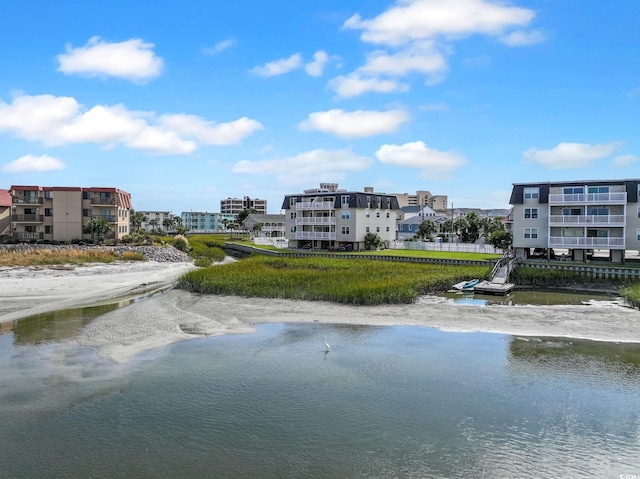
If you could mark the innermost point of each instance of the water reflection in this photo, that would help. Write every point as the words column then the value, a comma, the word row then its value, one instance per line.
column 529, row 297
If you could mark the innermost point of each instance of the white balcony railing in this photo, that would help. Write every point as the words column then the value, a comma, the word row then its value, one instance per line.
column 618, row 220
column 315, row 220
column 321, row 235
column 559, row 241
column 600, row 198
column 315, row 205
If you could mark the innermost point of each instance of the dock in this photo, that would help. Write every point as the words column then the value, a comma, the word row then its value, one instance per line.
column 497, row 285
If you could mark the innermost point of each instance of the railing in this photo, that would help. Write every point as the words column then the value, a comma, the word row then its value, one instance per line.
column 586, row 241
column 324, row 235
column 28, row 236
column 315, row 220
column 587, row 219
column 315, row 205
column 27, row 218
column 27, row 200
column 109, row 218
column 588, row 198
column 103, row 201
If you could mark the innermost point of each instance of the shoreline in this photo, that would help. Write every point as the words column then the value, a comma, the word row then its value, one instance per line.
column 178, row 315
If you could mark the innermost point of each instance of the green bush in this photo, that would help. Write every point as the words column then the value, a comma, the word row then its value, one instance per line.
column 182, row 243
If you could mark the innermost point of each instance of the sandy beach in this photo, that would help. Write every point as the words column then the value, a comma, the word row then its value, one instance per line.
column 178, row 315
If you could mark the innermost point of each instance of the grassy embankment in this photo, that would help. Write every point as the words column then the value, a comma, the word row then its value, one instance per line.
column 49, row 257
column 631, row 294
column 350, row 281
column 203, row 249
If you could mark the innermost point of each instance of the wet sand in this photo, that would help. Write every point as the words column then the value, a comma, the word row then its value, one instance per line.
column 179, row 315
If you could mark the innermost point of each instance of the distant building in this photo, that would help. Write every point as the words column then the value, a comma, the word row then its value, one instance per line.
column 155, row 219
column 576, row 215
column 60, row 213
column 270, row 226
column 422, row 198
column 5, row 213
column 328, row 217
column 233, row 206
column 424, row 212
column 204, row 222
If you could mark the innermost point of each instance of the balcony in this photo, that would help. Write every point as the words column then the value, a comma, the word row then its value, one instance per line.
column 27, row 218
column 315, row 220
column 588, row 198
column 591, row 220
column 315, row 205
column 26, row 200
column 103, row 201
column 321, row 235
column 109, row 218
column 24, row 235
column 585, row 242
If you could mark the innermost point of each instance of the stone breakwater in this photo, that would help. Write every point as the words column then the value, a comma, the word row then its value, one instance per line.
column 162, row 254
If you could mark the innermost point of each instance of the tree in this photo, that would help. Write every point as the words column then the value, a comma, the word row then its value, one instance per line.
column 99, row 227
column 168, row 223
column 136, row 219
column 426, row 230
column 244, row 213
column 372, row 241
column 257, row 228
column 501, row 239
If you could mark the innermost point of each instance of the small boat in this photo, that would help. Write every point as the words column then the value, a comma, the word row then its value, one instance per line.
column 470, row 284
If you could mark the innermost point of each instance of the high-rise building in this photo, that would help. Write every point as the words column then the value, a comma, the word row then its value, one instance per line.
column 233, row 206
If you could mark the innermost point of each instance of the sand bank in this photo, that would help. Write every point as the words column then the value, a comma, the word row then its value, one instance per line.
column 179, row 315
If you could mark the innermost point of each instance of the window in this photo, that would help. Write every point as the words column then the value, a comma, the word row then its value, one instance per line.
column 377, row 229
column 638, row 212
column 48, row 211
column 573, row 190
column 367, row 213
column 345, row 200
column 410, row 227
column 292, row 201
column 345, row 214
column 387, row 228
column 377, row 214
column 598, row 189
column 368, row 201
column 48, row 230
column 598, row 211
column 572, row 211
column 638, row 234
column 367, row 229
column 345, row 230
column 30, row 229
column 531, row 233
column 86, row 195
column 531, row 192
column 387, row 214
column 531, row 213
column 48, row 195
column 293, row 229
column 379, row 200
column 293, row 215
column 388, row 204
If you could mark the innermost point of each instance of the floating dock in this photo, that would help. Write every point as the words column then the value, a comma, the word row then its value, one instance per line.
column 486, row 287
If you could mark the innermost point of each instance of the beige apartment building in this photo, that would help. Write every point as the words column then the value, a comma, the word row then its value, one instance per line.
column 578, row 216
column 331, row 218
column 60, row 213
column 422, row 198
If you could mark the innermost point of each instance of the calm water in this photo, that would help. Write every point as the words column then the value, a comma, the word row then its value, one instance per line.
column 384, row 402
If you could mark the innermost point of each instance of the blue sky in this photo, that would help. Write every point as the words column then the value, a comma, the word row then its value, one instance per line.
column 184, row 103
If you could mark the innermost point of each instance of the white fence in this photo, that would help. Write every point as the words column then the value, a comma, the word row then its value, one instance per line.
column 277, row 242
column 455, row 247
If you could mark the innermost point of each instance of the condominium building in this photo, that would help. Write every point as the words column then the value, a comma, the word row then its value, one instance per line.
column 5, row 212
column 332, row 218
column 155, row 219
column 233, row 206
column 60, row 213
column 269, row 226
column 422, row 198
column 579, row 216
column 204, row 222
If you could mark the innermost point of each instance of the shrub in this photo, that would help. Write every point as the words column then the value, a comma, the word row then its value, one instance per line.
column 181, row 243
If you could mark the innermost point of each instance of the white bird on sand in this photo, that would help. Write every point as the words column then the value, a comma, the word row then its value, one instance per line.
column 327, row 348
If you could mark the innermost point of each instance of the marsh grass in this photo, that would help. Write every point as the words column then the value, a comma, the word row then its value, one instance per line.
column 555, row 277
column 43, row 257
column 353, row 281
column 631, row 294
column 206, row 250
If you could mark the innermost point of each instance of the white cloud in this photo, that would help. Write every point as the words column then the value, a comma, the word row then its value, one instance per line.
column 356, row 124
column 523, row 38
column 321, row 165
column 354, row 84
column 570, row 155
column 132, row 60
column 316, row 67
column 279, row 67
column 210, row 132
column 424, row 19
column 32, row 164
column 419, row 57
column 432, row 163
column 623, row 160
column 62, row 120
column 435, row 107
column 219, row 47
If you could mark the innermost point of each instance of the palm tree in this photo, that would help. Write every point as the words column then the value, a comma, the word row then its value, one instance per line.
column 136, row 219
column 426, row 230
column 97, row 226
column 167, row 223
